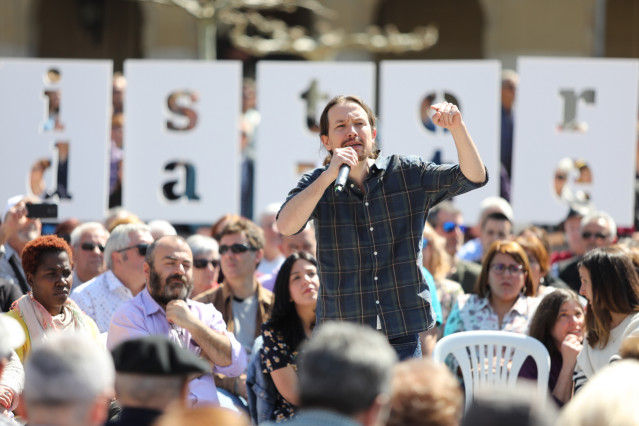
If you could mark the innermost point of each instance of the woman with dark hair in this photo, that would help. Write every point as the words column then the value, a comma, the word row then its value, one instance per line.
column 47, row 263
column 292, row 321
column 610, row 282
column 504, row 298
column 558, row 323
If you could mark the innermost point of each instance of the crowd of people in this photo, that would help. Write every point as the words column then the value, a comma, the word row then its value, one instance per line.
column 325, row 310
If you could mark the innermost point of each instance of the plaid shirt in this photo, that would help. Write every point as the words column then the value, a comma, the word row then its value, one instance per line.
column 369, row 244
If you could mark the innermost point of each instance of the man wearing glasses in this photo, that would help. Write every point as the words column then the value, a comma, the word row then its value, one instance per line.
column 598, row 229
column 124, row 278
column 87, row 242
column 241, row 299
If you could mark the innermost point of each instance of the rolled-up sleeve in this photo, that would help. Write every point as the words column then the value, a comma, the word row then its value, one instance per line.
column 238, row 354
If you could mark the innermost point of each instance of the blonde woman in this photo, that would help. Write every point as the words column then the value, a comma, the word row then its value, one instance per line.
column 437, row 260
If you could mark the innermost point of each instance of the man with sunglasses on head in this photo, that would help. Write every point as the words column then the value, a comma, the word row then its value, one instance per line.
column 598, row 229
column 245, row 305
column 87, row 242
column 369, row 230
column 124, row 253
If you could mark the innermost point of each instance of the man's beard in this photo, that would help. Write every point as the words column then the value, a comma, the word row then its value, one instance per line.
column 163, row 293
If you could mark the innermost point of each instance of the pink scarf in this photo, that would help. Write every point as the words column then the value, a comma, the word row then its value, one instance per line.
column 39, row 321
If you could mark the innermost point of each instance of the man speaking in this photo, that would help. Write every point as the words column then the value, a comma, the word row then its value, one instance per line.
column 369, row 234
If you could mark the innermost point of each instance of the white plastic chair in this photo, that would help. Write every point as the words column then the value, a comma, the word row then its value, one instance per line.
column 494, row 358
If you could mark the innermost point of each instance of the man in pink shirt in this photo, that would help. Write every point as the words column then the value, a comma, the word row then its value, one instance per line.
column 163, row 308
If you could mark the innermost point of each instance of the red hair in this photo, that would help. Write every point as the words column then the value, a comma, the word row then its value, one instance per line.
column 34, row 250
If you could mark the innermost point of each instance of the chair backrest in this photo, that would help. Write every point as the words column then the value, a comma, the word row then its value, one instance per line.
column 494, row 358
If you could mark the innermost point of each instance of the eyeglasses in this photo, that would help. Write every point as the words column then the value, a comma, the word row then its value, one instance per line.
column 91, row 247
column 450, row 227
column 500, row 269
column 142, row 248
column 203, row 263
column 236, row 248
column 598, row 235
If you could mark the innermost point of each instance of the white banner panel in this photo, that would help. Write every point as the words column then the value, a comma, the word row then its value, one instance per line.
column 408, row 88
column 181, row 140
column 575, row 138
column 54, row 133
column 291, row 97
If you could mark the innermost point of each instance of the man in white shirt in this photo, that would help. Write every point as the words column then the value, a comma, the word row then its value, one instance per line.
column 124, row 252
column 16, row 231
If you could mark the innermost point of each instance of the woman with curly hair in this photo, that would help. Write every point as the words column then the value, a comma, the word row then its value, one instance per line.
column 48, row 264
column 610, row 282
column 292, row 321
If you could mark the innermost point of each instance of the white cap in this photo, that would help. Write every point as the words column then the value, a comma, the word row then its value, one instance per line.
column 10, row 203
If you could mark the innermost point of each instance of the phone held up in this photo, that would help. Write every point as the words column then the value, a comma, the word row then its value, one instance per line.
column 42, row 210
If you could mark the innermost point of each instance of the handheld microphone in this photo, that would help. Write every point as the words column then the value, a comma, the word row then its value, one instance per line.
column 344, row 170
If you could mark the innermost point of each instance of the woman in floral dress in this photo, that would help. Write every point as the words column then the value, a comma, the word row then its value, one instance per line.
column 292, row 321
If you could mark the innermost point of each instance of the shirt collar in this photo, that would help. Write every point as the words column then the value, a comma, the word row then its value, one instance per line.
column 520, row 306
column 381, row 163
column 150, row 305
column 113, row 282
column 227, row 295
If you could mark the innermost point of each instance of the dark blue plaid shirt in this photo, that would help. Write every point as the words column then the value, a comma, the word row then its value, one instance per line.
column 369, row 244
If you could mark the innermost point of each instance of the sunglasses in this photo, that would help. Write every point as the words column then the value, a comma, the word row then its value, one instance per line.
column 142, row 248
column 500, row 269
column 598, row 235
column 203, row 263
column 450, row 227
column 91, row 247
column 236, row 248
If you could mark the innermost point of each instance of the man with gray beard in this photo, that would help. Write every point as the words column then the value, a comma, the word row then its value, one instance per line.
column 164, row 308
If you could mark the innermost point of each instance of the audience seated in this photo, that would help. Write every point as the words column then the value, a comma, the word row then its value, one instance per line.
column 505, row 294
column 292, row 321
column 206, row 263
column 558, row 323
column 68, row 382
column 151, row 374
column 11, row 371
column 46, row 307
column 345, row 374
column 607, row 400
column 507, row 407
column 437, row 262
column 424, row 393
column 610, row 283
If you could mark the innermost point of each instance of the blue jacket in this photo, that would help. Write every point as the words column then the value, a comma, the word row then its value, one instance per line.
column 260, row 389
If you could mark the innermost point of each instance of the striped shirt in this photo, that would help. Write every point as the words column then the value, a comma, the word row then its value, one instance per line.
column 369, row 243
